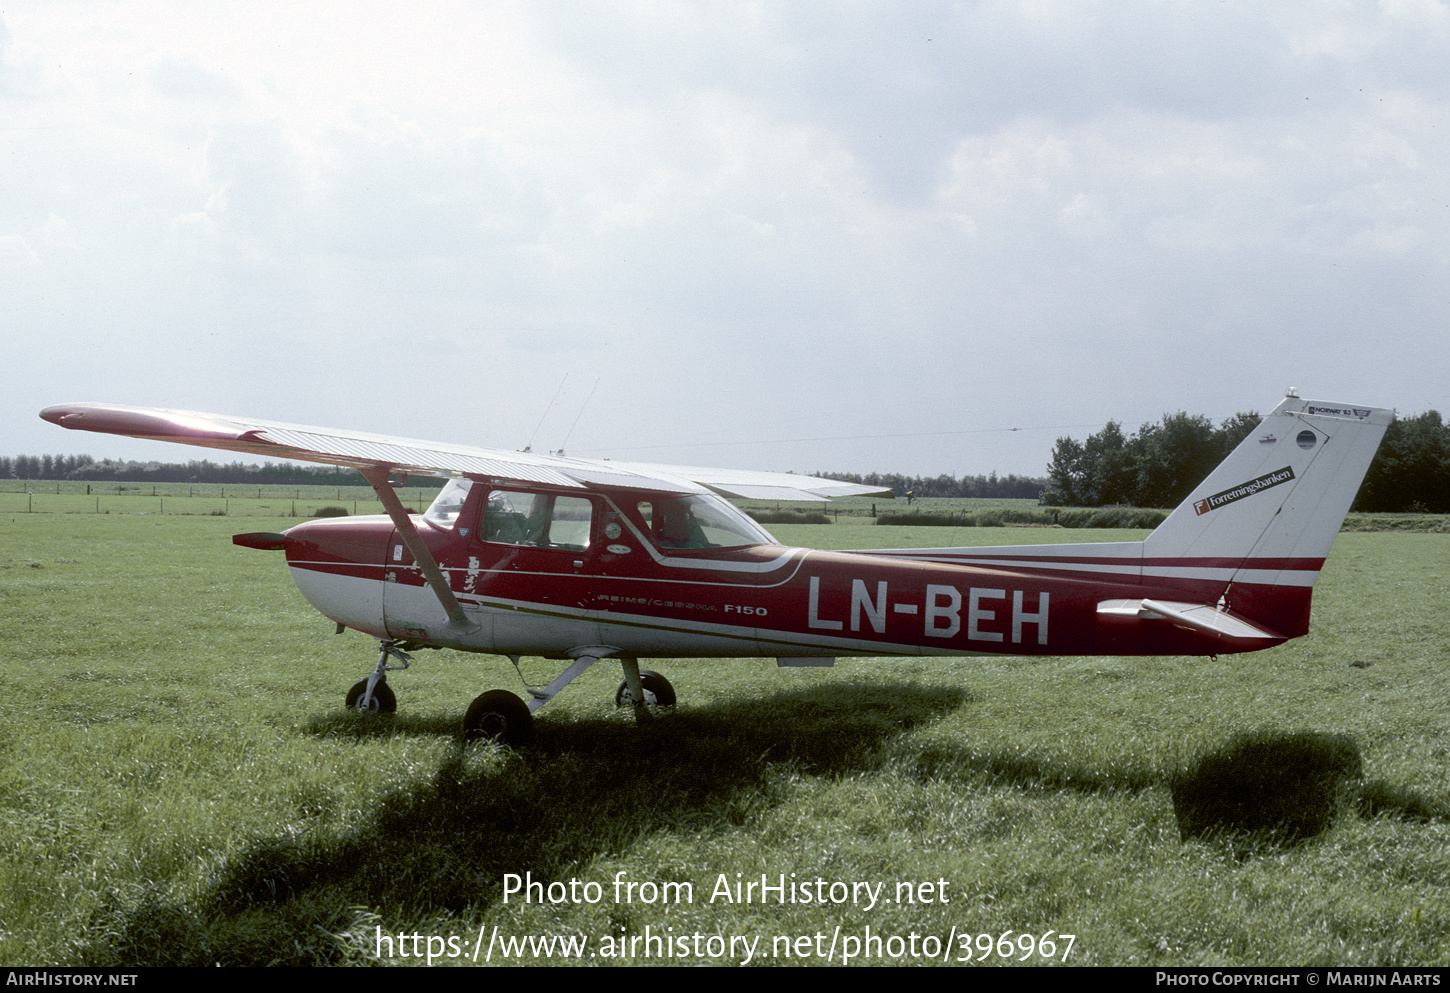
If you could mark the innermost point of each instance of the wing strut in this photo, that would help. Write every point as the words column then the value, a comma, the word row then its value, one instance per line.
column 378, row 477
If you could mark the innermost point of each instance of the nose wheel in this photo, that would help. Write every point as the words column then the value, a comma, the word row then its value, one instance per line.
column 373, row 695
column 382, row 702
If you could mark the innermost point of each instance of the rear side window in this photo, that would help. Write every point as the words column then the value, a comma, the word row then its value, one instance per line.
column 698, row 522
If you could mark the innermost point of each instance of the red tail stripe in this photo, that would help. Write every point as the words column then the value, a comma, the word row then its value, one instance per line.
column 1185, row 561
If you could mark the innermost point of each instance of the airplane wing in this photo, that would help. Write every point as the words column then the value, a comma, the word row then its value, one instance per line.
column 372, row 452
column 747, row 485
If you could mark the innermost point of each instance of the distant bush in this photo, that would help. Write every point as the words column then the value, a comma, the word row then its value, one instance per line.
column 1100, row 517
column 1416, row 523
column 789, row 516
column 927, row 520
column 1111, row 517
column 330, row 512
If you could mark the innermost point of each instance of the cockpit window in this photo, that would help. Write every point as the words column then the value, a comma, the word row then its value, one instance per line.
column 448, row 504
column 698, row 522
column 548, row 520
column 543, row 520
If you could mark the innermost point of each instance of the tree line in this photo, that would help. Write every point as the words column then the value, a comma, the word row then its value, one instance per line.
column 1161, row 463
column 990, row 485
column 85, row 468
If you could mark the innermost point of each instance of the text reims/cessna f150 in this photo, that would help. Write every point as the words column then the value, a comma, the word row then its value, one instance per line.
column 524, row 554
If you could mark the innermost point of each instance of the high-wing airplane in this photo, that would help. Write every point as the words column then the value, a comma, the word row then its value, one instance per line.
column 579, row 560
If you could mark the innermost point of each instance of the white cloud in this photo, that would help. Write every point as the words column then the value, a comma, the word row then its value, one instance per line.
column 15, row 250
column 742, row 218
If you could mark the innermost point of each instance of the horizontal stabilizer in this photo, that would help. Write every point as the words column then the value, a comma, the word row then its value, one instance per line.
column 1195, row 616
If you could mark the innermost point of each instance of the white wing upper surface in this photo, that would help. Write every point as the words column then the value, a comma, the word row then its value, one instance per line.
column 366, row 451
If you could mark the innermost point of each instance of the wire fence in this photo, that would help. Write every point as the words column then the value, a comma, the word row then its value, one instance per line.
column 198, row 499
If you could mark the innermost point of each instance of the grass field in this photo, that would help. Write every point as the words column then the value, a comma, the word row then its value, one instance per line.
column 181, row 784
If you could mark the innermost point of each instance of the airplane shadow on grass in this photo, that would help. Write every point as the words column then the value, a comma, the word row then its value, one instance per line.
column 440, row 847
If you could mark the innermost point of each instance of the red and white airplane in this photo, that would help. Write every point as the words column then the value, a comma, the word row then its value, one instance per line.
column 524, row 554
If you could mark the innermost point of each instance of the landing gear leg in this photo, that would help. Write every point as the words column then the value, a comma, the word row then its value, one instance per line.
column 635, row 686
column 372, row 695
column 500, row 716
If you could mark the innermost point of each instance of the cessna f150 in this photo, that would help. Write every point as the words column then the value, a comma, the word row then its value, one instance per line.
column 524, row 554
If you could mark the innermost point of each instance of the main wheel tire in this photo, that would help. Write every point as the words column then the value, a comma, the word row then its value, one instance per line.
column 499, row 716
column 657, row 691
column 383, row 701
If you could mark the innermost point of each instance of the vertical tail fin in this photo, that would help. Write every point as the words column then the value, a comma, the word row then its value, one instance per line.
column 1267, row 516
column 1233, row 567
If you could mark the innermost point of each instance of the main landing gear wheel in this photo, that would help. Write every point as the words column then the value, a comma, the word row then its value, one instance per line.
column 499, row 716
column 657, row 691
column 383, row 701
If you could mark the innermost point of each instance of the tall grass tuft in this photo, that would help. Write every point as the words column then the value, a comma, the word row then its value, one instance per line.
column 1381, row 797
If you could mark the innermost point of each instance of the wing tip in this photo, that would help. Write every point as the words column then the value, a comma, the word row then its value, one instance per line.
column 144, row 422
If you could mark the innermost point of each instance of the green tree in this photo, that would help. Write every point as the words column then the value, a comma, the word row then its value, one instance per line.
column 1174, row 457
column 1411, row 471
column 1236, row 428
column 1109, row 466
column 1066, row 478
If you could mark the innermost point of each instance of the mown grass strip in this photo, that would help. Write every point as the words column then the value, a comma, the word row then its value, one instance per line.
column 181, row 783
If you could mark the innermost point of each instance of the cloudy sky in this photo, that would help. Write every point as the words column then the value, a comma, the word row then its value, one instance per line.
column 921, row 237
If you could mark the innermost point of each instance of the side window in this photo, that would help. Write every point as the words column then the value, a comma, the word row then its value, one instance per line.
column 540, row 520
column 570, row 526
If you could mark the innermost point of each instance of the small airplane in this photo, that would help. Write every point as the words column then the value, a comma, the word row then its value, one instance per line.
column 580, row 560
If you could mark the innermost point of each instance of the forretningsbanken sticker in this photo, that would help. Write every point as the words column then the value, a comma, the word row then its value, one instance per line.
column 1244, row 489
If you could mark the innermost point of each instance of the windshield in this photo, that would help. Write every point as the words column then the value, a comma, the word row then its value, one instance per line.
column 448, row 504
column 698, row 522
